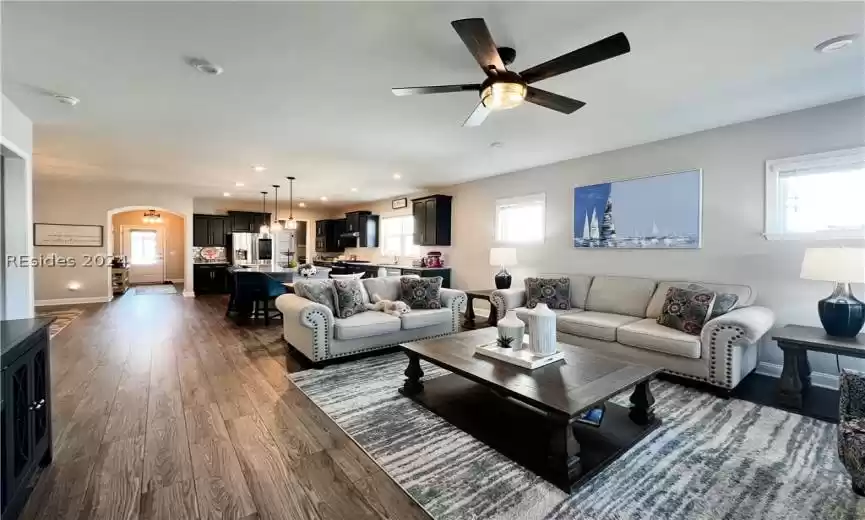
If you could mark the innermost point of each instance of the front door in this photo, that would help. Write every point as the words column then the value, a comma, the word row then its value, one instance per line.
column 143, row 246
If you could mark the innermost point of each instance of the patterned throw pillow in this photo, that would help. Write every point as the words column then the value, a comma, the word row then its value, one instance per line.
column 724, row 302
column 555, row 292
column 348, row 295
column 686, row 310
column 421, row 293
column 318, row 291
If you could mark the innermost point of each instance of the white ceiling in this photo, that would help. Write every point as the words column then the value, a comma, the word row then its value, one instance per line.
column 306, row 88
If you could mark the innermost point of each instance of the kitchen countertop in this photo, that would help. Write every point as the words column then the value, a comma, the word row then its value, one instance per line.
column 373, row 264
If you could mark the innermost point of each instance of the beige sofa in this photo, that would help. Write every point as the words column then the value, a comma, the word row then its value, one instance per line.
column 312, row 329
column 616, row 316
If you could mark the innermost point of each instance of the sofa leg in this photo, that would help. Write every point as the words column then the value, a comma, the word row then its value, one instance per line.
column 724, row 393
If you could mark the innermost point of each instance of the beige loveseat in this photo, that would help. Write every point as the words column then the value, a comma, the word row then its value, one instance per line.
column 312, row 329
column 617, row 316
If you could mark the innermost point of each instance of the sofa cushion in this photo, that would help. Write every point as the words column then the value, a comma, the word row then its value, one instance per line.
column 425, row 317
column 349, row 297
column 365, row 324
column 421, row 293
column 386, row 287
column 523, row 313
column 647, row 334
column 620, row 295
column 318, row 291
column 590, row 324
column 687, row 310
column 555, row 292
column 745, row 294
column 580, row 284
column 724, row 302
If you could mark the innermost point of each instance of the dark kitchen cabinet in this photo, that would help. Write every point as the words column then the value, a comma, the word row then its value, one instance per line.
column 246, row 221
column 328, row 237
column 210, row 279
column 361, row 230
column 432, row 220
column 26, row 409
column 209, row 230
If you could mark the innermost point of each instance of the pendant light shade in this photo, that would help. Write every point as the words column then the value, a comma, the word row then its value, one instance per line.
column 276, row 225
column 264, row 229
column 291, row 224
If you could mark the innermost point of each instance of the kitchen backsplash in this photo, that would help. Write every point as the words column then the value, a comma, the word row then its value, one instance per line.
column 208, row 254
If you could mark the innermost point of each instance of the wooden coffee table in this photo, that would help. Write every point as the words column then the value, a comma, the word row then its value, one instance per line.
column 532, row 416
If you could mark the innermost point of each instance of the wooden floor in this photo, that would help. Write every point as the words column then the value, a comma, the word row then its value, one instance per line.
column 164, row 409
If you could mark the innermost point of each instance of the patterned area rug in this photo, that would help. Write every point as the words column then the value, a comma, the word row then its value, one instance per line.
column 155, row 289
column 62, row 318
column 711, row 458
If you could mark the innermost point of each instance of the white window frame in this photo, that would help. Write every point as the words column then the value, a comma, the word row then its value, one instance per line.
column 774, row 217
column 534, row 198
column 381, row 231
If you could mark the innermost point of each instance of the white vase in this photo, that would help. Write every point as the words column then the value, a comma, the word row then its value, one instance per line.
column 512, row 327
column 542, row 330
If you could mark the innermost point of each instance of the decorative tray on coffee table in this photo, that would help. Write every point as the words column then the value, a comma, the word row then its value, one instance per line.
column 521, row 357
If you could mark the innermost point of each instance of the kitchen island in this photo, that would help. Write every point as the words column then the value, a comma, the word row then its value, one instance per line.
column 370, row 269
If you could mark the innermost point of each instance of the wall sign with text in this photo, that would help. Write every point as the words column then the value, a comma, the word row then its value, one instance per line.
column 67, row 235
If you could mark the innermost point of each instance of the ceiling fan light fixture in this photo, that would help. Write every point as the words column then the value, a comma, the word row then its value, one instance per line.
column 503, row 95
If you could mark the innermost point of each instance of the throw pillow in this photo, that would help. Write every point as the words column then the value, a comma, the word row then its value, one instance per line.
column 348, row 295
column 724, row 302
column 686, row 310
column 555, row 292
column 318, row 291
column 421, row 293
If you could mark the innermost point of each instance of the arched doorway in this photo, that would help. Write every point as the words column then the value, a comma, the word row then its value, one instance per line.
column 157, row 252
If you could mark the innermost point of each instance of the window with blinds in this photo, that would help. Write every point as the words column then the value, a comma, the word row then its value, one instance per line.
column 816, row 196
column 520, row 220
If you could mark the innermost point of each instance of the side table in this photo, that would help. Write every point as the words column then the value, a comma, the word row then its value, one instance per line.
column 483, row 294
column 796, row 341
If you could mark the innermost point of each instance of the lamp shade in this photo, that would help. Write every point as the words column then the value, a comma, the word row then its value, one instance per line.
column 834, row 264
column 504, row 256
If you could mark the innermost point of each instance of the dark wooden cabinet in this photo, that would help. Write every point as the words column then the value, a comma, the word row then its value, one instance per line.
column 26, row 409
column 432, row 220
column 210, row 230
column 246, row 221
column 210, row 279
column 361, row 230
column 328, row 237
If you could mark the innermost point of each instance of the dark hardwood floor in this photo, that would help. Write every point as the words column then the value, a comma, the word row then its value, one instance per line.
column 165, row 409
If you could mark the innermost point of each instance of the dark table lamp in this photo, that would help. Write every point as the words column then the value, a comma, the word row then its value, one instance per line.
column 503, row 257
column 841, row 314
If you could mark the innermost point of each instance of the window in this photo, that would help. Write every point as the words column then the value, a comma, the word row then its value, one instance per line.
column 397, row 236
column 816, row 196
column 520, row 219
column 142, row 247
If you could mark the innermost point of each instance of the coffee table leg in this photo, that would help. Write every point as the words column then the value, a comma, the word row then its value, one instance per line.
column 413, row 374
column 790, row 386
column 564, row 456
column 494, row 316
column 642, row 411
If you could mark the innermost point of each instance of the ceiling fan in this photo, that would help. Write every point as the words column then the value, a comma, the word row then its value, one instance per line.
column 504, row 89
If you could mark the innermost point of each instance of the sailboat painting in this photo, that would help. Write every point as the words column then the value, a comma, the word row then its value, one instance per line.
column 658, row 212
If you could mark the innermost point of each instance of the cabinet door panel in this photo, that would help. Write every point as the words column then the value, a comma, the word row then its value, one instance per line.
column 217, row 231
column 417, row 210
column 41, row 416
column 200, row 231
column 429, row 223
column 19, row 400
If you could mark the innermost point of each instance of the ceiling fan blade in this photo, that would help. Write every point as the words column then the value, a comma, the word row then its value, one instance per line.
column 477, row 37
column 555, row 102
column 441, row 89
column 601, row 50
column 477, row 116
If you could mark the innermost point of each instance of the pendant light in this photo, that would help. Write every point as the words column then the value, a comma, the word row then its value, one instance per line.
column 291, row 224
column 276, row 225
column 264, row 229
column 152, row 217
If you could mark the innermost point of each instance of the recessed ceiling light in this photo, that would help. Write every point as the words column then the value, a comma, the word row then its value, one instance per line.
column 354, row 189
column 67, row 100
column 323, row 199
column 205, row 67
column 835, row 44
column 397, row 176
column 239, row 184
column 226, row 194
column 301, row 204
column 258, row 168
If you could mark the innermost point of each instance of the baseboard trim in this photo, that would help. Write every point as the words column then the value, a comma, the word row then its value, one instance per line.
column 73, row 301
column 175, row 280
column 189, row 294
column 820, row 379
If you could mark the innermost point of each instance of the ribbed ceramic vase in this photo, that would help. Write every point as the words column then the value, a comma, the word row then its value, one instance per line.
column 542, row 330
column 512, row 328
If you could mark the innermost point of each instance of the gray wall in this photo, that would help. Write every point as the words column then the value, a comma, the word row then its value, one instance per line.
column 733, row 162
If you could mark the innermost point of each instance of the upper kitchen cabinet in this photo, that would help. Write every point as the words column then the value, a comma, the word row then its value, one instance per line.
column 361, row 230
column 209, row 230
column 247, row 221
column 432, row 220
